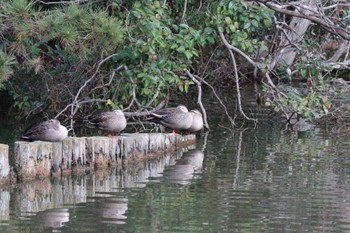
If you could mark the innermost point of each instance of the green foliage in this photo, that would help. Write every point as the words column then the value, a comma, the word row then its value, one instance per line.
column 18, row 8
column 312, row 102
column 6, row 67
column 59, row 47
column 160, row 48
column 244, row 24
column 56, row 49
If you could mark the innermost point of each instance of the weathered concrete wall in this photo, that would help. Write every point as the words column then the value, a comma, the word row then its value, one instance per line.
column 42, row 159
column 4, row 163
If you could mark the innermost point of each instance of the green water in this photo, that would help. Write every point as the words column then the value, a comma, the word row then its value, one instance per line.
column 266, row 179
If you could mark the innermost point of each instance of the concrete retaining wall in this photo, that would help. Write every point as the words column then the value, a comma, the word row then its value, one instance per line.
column 4, row 163
column 42, row 159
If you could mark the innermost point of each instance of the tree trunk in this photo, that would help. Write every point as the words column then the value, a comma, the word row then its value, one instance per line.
column 291, row 38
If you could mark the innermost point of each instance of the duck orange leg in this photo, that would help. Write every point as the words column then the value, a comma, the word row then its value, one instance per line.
column 174, row 132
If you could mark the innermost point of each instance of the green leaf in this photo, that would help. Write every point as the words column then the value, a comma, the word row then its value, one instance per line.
column 183, row 25
column 313, row 70
column 174, row 46
column 246, row 25
column 303, row 72
column 186, row 87
column 188, row 54
column 211, row 39
column 231, row 5
column 175, row 27
column 181, row 49
column 268, row 22
column 208, row 30
column 181, row 88
column 110, row 103
column 255, row 23
column 228, row 20
column 232, row 28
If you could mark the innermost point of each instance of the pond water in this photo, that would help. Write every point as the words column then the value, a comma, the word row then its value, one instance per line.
column 264, row 179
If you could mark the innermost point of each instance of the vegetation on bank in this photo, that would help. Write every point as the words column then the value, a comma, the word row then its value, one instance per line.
column 66, row 58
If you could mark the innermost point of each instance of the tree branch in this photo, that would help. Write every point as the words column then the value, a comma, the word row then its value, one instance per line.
column 230, row 48
column 317, row 18
column 220, row 101
column 75, row 104
column 145, row 112
column 199, row 97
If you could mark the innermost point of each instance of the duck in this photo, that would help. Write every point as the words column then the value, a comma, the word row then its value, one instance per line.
column 49, row 130
column 197, row 122
column 175, row 118
column 111, row 121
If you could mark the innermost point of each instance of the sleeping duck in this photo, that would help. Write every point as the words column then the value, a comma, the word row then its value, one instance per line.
column 178, row 118
column 197, row 122
column 111, row 121
column 50, row 130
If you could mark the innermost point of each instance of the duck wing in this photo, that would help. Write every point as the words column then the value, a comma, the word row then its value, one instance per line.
column 38, row 129
column 168, row 117
column 100, row 117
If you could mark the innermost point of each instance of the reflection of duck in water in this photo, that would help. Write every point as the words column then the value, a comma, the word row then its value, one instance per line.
column 185, row 168
column 113, row 210
column 54, row 218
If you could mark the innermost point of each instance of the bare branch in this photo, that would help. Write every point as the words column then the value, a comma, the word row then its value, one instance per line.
column 343, row 48
column 220, row 101
column 184, row 11
column 145, row 112
column 317, row 18
column 110, row 79
column 238, row 89
column 76, row 104
column 134, row 99
column 94, row 75
column 230, row 48
column 199, row 97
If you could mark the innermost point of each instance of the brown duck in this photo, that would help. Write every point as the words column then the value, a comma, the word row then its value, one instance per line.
column 50, row 130
column 111, row 121
column 197, row 122
column 178, row 118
